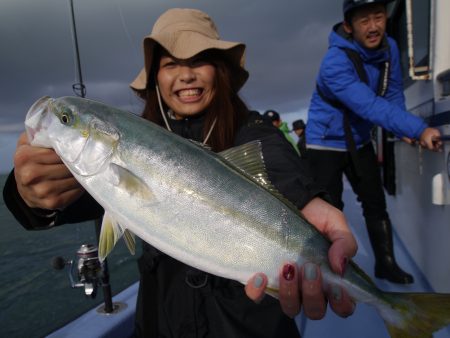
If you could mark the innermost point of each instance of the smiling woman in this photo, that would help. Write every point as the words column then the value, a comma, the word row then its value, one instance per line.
column 190, row 83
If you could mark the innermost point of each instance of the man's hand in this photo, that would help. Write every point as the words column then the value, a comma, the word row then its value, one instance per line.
column 431, row 139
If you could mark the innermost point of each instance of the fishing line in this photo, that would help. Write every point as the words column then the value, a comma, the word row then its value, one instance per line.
column 124, row 26
column 130, row 41
column 163, row 113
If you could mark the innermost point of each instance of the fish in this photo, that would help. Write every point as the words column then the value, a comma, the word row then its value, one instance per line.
column 217, row 212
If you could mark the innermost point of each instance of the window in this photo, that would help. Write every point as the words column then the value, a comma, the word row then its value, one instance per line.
column 421, row 35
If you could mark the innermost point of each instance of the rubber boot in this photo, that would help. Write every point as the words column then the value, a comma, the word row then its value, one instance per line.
column 380, row 234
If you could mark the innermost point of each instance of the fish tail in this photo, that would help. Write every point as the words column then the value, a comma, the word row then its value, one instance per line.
column 416, row 314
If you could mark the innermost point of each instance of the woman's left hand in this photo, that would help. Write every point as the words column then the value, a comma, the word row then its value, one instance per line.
column 303, row 286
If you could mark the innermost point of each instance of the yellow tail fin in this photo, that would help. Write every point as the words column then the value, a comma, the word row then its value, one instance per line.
column 422, row 314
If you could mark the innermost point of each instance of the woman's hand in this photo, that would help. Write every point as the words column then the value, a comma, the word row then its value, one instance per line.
column 42, row 179
column 304, row 287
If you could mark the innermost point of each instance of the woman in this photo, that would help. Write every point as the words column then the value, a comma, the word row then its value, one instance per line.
column 190, row 83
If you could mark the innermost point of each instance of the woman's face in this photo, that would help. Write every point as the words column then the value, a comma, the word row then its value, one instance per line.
column 186, row 86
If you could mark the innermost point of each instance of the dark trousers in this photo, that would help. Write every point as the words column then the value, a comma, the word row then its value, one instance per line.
column 330, row 166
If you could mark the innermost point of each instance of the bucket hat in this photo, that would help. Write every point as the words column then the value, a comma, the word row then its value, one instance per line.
column 184, row 33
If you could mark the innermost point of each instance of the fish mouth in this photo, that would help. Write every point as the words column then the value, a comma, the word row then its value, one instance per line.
column 34, row 121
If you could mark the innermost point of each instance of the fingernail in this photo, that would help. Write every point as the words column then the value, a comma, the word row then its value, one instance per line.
column 310, row 271
column 288, row 272
column 336, row 292
column 258, row 281
column 344, row 264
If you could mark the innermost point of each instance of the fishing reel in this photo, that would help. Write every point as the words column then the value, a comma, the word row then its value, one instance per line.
column 89, row 270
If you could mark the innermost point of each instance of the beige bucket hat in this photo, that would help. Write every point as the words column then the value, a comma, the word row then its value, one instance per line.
column 184, row 33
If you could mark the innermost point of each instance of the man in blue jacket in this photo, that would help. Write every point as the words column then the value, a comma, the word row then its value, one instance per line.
column 360, row 85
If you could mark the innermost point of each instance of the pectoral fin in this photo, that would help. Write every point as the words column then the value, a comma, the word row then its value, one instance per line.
column 110, row 233
column 130, row 241
column 129, row 182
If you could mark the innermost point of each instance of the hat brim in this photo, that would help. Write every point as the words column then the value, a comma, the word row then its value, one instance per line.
column 185, row 45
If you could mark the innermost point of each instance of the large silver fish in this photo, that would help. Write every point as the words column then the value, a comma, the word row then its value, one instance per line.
column 216, row 212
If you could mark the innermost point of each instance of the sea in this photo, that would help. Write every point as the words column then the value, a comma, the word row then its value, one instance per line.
column 36, row 299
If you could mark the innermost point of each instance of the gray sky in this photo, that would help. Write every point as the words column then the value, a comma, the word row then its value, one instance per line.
column 285, row 40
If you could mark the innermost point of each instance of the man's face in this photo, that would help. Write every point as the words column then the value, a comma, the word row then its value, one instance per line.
column 299, row 132
column 277, row 123
column 368, row 25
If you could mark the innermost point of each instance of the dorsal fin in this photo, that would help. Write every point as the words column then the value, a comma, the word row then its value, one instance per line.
column 248, row 159
column 200, row 144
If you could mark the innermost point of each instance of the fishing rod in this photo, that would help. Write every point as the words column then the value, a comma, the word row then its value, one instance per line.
column 80, row 90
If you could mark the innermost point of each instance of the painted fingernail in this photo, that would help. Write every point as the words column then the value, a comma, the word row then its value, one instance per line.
column 336, row 292
column 288, row 272
column 344, row 264
column 310, row 271
column 258, row 281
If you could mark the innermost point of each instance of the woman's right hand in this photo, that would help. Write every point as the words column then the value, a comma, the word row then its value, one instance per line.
column 43, row 181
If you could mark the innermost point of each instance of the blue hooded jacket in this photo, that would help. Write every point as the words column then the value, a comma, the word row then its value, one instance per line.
column 338, row 80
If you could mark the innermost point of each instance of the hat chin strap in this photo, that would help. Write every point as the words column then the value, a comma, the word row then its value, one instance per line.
column 161, row 109
column 164, row 115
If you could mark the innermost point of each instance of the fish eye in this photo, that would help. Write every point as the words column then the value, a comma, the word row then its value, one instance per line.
column 66, row 117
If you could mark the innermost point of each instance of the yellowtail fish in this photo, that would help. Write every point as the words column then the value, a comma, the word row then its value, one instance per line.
column 216, row 212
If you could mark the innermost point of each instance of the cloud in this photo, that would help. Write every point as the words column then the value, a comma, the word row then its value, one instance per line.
column 285, row 42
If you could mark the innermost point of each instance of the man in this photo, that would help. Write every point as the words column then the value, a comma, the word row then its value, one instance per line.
column 360, row 85
column 298, row 127
column 273, row 116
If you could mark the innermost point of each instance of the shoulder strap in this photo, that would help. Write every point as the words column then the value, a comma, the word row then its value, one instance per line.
column 359, row 66
column 357, row 63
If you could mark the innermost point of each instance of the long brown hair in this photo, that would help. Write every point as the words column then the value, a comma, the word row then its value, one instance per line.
column 226, row 106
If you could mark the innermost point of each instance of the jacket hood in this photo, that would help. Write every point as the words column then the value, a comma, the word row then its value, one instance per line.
column 340, row 39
